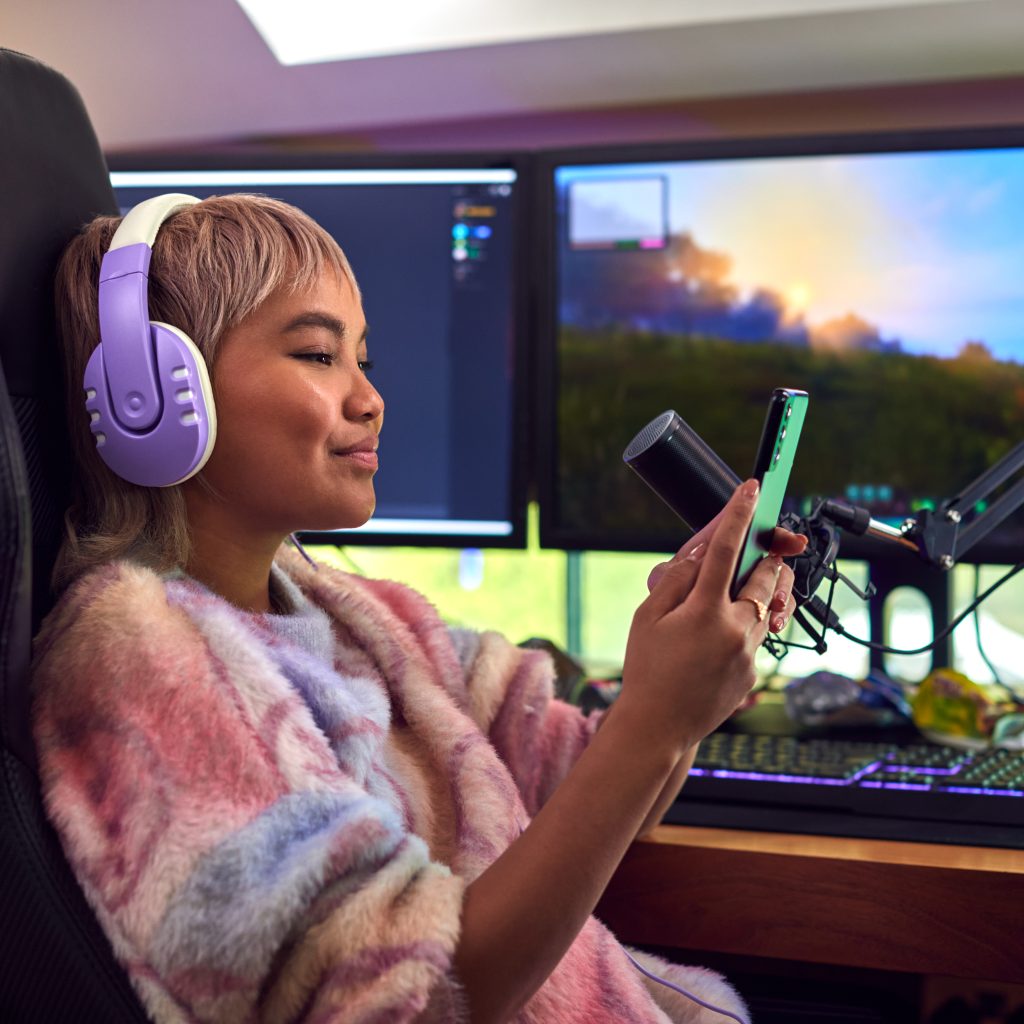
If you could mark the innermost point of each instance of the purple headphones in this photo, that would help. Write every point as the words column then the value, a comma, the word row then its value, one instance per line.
column 147, row 389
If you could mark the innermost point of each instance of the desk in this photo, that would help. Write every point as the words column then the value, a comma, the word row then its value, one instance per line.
column 926, row 909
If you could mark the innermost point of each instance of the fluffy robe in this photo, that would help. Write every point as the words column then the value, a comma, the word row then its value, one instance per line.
column 264, row 838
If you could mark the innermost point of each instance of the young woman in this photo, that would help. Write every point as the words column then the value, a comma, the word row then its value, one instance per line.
column 293, row 794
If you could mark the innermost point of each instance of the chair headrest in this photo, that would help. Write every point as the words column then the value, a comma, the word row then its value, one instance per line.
column 53, row 179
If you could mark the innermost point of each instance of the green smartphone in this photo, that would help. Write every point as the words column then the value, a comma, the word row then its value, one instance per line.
column 782, row 425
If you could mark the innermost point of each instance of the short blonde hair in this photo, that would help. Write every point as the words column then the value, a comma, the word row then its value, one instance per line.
column 214, row 264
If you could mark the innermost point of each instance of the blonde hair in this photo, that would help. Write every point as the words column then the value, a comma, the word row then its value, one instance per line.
column 214, row 264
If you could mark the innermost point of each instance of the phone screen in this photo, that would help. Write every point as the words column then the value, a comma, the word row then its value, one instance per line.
column 786, row 411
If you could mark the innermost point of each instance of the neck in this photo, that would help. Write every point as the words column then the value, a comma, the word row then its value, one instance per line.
column 232, row 561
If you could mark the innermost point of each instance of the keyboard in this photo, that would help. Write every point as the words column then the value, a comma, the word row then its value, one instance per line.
column 872, row 788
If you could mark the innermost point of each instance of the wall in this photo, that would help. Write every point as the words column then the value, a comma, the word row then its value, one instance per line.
column 998, row 101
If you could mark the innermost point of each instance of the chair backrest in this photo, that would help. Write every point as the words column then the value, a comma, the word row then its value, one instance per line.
column 56, row 965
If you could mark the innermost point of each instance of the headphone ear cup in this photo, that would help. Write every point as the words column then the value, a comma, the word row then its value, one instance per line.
column 182, row 439
column 185, row 382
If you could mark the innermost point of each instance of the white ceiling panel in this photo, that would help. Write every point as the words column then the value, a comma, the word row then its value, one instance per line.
column 194, row 71
column 309, row 31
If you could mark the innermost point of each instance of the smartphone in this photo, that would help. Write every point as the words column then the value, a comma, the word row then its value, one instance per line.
column 782, row 425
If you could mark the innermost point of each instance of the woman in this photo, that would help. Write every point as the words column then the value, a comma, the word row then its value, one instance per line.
column 292, row 794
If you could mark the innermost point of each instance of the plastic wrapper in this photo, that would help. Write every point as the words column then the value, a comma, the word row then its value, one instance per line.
column 950, row 708
column 828, row 698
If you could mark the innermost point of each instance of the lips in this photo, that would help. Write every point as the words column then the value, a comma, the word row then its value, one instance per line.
column 364, row 453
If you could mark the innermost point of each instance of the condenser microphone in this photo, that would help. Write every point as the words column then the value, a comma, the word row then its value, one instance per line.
column 676, row 463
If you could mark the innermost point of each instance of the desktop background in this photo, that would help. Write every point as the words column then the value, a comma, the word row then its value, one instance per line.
column 889, row 286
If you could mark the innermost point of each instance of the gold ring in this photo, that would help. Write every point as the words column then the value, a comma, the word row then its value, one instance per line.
column 762, row 608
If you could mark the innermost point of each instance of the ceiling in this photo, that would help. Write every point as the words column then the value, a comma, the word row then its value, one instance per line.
column 194, row 72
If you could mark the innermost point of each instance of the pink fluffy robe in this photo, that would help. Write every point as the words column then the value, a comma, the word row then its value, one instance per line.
column 273, row 831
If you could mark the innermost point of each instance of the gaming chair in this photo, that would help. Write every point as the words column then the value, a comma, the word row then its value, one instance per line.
column 56, row 965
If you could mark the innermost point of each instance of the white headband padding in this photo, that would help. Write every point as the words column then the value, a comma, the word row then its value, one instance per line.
column 142, row 222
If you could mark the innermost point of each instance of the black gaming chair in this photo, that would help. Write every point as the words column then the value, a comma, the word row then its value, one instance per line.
column 56, row 965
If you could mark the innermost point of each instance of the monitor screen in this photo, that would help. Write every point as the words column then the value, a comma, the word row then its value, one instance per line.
column 883, row 275
column 434, row 247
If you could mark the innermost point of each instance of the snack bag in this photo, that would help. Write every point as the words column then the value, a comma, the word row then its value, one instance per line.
column 949, row 703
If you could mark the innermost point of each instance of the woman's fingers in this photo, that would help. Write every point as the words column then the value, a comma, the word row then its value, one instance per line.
column 695, row 544
column 779, row 620
column 702, row 536
column 758, row 593
column 786, row 543
column 782, row 603
column 705, row 533
column 783, row 543
column 674, row 581
column 724, row 547
column 768, row 592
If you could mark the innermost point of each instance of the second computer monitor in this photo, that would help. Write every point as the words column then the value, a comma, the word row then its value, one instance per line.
column 881, row 274
column 435, row 247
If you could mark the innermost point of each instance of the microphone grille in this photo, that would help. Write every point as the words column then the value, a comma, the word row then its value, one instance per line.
column 650, row 434
column 673, row 460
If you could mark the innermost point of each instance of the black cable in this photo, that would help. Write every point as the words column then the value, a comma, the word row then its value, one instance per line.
column 785, row 645
column 939, row 636
column 354, row 566
column 977, row 627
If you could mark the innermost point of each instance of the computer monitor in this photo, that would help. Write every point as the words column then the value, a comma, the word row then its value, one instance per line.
column 882, row 274
column 436, row 245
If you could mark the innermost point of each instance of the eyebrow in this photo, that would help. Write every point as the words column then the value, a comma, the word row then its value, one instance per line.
column 316, row 319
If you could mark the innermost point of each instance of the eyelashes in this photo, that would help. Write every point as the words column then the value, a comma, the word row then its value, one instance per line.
column 323, row 358
column 329, row 359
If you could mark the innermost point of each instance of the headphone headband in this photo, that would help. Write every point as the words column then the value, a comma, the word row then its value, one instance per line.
column 141, row 223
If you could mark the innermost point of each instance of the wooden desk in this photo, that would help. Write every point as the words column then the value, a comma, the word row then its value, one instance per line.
column 927, row 909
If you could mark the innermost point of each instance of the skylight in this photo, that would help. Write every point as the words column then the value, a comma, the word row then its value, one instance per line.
column 312, row 31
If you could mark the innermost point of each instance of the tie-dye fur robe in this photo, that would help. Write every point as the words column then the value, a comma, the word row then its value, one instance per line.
column 265, row 837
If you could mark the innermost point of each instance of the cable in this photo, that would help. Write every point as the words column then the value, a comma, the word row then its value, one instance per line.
column 939, row 636
column 682, row 991
column 302, row 550
column 774, row 643
column 822, row 611
column 977, row 627
column 354, row 566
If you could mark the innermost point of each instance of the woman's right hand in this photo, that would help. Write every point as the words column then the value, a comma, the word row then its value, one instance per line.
column 690, row 655
column 689, row 663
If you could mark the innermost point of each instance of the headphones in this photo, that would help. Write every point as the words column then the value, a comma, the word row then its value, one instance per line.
column 147, row 389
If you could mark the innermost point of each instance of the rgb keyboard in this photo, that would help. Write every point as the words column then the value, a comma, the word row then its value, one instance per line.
column 852, row 787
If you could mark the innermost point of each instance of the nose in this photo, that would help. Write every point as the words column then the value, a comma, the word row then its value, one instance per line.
column 364, row 401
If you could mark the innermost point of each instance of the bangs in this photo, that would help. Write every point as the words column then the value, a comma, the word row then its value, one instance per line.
column 216, row 263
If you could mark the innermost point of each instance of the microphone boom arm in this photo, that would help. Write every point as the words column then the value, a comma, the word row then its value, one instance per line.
column 942, row 535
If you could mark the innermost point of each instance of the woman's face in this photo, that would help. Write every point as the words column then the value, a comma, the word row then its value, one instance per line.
column 297, row 417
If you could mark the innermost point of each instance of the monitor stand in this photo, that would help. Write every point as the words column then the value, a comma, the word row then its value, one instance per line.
column 937, row 586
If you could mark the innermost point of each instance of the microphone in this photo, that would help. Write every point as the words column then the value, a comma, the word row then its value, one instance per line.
column 678, row 465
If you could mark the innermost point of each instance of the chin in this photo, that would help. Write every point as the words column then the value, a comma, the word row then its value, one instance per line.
column 350, row 519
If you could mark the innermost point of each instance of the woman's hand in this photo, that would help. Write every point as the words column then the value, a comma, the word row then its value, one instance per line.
column 690, row 656
column 689, row 663
column 784, row 544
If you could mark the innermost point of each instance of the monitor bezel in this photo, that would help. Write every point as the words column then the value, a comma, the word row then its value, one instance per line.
column 555, row 534
column 523, row 222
